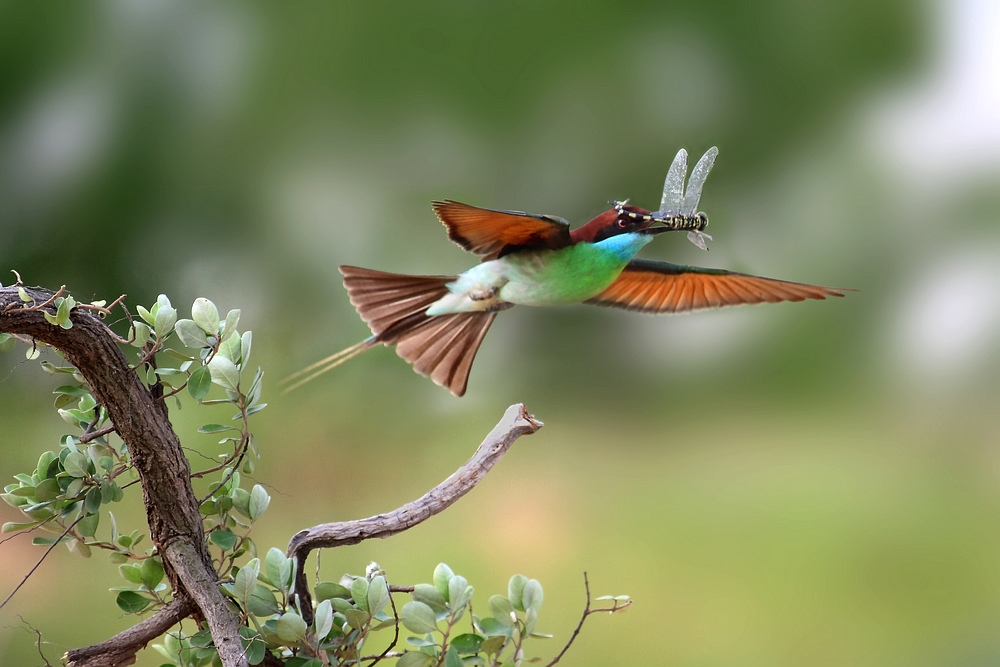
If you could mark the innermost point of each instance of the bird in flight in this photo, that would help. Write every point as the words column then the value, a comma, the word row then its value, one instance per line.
column 437, row 323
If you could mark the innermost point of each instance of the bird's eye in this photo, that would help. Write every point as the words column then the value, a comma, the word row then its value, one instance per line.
column 623, row 222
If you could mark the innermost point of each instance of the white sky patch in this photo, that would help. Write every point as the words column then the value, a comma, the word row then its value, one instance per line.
column 948, row 125
column 950, row 320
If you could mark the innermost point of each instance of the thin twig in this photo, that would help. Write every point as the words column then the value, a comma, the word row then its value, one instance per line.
column 401, row 589
column 587, row 611
column 395, row 638
column 38, row 639
column 579, row 626
column 44, row 555
column 93, row 435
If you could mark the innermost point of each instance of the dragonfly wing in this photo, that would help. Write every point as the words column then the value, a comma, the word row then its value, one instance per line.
column 673, row 187
column 697, row 182
column 659, row 287
column 493, row 234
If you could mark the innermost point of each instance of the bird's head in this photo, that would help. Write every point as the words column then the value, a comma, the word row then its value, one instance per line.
column 623, row 218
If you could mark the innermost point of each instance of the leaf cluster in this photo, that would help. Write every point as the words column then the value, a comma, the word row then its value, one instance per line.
column 69, row 489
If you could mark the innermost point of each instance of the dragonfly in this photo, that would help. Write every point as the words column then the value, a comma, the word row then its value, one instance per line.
column 682, row 206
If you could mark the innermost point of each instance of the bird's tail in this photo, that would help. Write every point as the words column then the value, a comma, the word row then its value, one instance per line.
column 393, row 305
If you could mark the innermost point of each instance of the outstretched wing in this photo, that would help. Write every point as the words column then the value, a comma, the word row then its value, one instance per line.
column 659, row 287
column 493, row 234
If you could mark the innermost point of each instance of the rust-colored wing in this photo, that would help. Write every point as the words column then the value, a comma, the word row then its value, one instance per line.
column 493, row 234
column 659, row 287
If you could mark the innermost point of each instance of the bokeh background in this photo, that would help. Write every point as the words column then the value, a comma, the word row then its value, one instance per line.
column 797, row 484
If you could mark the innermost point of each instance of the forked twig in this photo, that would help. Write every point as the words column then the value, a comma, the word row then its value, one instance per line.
column 587, row 611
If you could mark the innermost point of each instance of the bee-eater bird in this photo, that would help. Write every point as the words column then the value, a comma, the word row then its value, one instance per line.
column 438, row 322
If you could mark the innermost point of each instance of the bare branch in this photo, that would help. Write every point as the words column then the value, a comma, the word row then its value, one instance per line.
column 515, row 422
column 122, row 648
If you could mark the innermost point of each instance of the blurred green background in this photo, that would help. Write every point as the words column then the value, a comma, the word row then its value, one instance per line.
column 797, row 484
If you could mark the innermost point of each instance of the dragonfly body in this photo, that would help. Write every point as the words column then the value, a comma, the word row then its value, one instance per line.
column 438, row 322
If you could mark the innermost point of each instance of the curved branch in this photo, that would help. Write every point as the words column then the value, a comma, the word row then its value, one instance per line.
column 121, row 649
column 171, row 509
column 515, row 422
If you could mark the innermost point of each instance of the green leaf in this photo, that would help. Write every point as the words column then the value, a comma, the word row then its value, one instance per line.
column 92, row 502
column 418, row 617
column 329, row 589
column 74, row 488
column 200, row 382
column 72, row 390
column 166, row 317
column 190, row 334
column 459, row 592
column 48, row 489
column 88, row 525
column 468, row 643
column 290, row 627
column 141, row 334
column 259, row 500
column 75, row 464
column 131, row 602
column 7, row 342
column 452, row 659
column 225, row 539
column 224, row 372
column 215, row 428
column 515, row 591
column 131, row 572
column 241, row 501
column 63, row 307
column 206, row 316
column 493, row 645
column 420, row 642
column 414, row 659
column 491, row 627
column 299, row 661
column 244, row 584
column 359, row 591
column 278, row 569
column 502, row 609
column 378, row 594
column 12, row 527
column 442, row 576
column 356, row 618
column 323, row 621
column 148, row 316
column 533, row 595
column 262, row 601
column 430, row 596
column 232, row 319
column 151, row 572
column 246, row 341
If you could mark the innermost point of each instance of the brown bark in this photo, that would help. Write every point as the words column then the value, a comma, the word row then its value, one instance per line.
column 515, row 423
column 175, row 525
column 141, row 420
